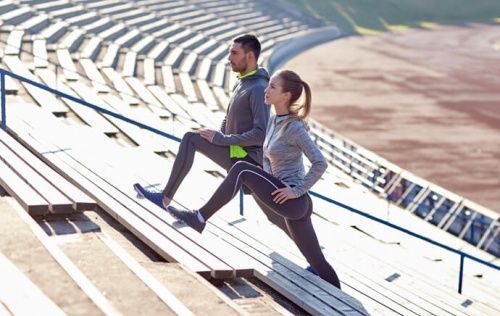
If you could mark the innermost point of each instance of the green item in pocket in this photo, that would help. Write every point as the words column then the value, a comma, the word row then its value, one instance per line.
column 236, row 151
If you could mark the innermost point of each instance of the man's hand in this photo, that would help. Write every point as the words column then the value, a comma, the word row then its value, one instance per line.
column 208, row 134
column 282, row 195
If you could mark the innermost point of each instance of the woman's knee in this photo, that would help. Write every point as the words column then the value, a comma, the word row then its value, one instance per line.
column 241, row 166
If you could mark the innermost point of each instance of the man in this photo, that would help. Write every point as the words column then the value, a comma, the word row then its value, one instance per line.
column 242, row 131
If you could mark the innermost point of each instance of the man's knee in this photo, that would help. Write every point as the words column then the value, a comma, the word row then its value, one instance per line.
column 188, row 136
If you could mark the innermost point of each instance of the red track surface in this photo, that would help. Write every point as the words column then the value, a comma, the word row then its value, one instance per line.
column 427, row 100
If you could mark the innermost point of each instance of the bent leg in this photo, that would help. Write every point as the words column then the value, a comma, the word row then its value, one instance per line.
column 261, row 183
column 272, row 216
column 190, row 144
column 302, row 232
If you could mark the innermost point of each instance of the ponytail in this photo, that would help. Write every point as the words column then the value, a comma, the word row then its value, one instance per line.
column 294, row 84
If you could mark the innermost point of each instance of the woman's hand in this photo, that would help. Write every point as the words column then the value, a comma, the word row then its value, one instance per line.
column 282, row 195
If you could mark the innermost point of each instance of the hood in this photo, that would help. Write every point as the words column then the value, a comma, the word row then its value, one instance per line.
column 260, row 74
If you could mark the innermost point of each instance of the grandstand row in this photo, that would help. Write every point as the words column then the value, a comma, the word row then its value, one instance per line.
column 66, row 163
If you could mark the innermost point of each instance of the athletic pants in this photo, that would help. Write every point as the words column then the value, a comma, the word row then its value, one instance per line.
column 190, row 144
column 293, row 216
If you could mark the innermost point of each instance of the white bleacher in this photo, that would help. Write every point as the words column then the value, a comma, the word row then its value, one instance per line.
column 207, row 95
column 100, row 5
column 54, row 32
column 226, row 36
column 188, row 87
column 111, row 56
column 129, row 64
column 181, row 36
column 155, row 26
column 79, row 90
column 45, row 99
column 99, row 25
column 207, row 25
column 129, row 15
column 72, row 40
column 168, row 79
column 218, row 74
column 97, row 80
column 91, row 49
column 149, row 71
column 218, row 53
column 141, row 20
column 52, row 5
column 209, row 45
column 173, row 57
column 144, row 45
column 194, row 23
column 193, row 42
column 114, row 32
column 40, row 56
column 170, row 104
column 14, row 43
column 83, row 19
column 166, row 32
column 68, row 66
column 221, row 95
column 17, row 16
column 159, row 50
column 188, row 64
column 181, row 15
column 128, row 39
column 144, row 94
column 116, row 9
column 68, row 13
column 121, row 86
column 204, row 69
column 35, row 24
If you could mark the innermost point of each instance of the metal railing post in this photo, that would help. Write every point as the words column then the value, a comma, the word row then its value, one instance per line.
column 461, row 275
column 4, row 105
column 241, row 202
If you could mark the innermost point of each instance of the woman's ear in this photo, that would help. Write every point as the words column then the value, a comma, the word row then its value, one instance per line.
column 288, row 97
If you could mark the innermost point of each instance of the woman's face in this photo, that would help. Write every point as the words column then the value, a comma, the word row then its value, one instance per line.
column 274, row 92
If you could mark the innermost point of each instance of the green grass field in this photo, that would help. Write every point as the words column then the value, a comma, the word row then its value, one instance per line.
column 374, row 16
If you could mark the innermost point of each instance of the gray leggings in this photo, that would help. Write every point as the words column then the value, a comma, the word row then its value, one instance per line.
column 190, row 144
column 293, row 216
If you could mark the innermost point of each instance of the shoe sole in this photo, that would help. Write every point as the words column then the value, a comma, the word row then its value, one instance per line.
column 137, row 190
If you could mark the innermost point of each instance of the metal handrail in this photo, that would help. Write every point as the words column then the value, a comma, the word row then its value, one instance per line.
column 462, row 254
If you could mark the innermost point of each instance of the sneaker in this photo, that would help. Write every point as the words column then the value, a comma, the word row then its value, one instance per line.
column 188, row 217
column 155, row 197
column 310, row 269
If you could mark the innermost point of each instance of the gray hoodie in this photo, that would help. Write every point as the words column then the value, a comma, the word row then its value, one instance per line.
column 247, row 116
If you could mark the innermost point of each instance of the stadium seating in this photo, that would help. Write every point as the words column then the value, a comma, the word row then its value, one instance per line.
column 163, row 63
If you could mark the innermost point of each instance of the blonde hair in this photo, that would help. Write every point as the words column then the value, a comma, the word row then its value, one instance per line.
column 291, row 82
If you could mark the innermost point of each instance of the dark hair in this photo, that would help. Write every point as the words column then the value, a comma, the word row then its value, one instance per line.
column 291, row 82
column 249, row 42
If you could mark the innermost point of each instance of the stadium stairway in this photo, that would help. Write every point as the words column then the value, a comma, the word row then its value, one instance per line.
column 155, row 70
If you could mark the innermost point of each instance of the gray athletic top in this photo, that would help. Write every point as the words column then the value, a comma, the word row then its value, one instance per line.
column 286, row 139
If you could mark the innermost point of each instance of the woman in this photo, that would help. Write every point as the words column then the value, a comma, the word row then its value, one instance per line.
column 281, row 186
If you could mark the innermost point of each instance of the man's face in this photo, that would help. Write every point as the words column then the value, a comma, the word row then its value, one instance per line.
column 238, row 58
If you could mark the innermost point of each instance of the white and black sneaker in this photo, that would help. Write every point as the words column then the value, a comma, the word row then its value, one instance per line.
column 192, row 218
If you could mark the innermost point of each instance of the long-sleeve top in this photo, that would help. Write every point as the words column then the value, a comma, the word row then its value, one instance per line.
column 287, row 138
column 247, row 116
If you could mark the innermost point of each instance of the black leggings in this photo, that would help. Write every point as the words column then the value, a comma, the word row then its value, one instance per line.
column 293, row 216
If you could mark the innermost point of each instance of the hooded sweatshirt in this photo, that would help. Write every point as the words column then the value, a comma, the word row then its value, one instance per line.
column 247, row 116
